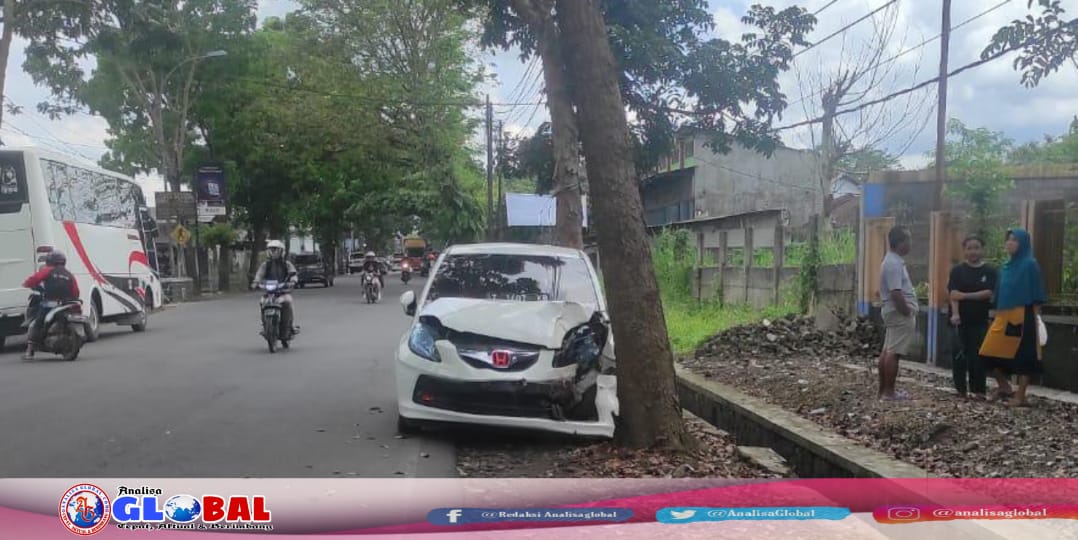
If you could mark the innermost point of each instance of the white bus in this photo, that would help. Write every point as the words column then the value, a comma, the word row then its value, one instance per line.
column 97, row 218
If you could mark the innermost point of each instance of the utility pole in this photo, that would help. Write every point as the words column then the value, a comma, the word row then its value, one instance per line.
column 501, row 196
column 490, row 170
column 941, row 110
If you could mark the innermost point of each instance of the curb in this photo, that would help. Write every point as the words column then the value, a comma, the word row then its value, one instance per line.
column 811, row 451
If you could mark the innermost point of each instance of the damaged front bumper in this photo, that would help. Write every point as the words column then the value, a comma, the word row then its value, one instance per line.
column 540, row 397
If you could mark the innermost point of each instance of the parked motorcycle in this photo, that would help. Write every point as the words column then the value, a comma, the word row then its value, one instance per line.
column 271, row 305
column 64, row 326
column 406, row 271
column 370, row 287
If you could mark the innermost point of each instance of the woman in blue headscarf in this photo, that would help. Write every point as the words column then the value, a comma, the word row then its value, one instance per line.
column 1012, row 344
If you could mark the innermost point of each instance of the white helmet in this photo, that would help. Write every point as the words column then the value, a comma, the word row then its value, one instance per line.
column 369, row 255
column 275, row 248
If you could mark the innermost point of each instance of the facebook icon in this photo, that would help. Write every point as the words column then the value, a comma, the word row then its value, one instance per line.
column 454, row 514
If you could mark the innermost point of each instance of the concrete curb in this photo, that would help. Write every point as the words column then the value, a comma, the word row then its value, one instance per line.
column 811, row 451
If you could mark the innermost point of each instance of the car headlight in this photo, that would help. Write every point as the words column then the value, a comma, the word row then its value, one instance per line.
column 421, row 342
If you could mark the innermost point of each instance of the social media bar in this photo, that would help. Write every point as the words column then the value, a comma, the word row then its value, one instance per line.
column 914, row 514
column 784, row 513
column 463, row 516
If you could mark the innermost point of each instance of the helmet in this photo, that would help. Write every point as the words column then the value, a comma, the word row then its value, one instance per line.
column 369, row 255
column 56, row 258
column 275, row 248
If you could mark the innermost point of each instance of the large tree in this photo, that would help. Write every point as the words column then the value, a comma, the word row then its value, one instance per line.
column 145, row 83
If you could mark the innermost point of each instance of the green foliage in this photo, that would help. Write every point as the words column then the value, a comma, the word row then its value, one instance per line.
column 838, row 246
column 1070, row 254
column 665, row 62
column 808, row 277
column 216, row 234
column 975, row 159
column 674, row 261
column 1061, row 149
column 1045, row 43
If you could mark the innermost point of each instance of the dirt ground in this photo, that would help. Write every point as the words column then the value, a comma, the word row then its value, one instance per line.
column 938, row 431
column 531, row 455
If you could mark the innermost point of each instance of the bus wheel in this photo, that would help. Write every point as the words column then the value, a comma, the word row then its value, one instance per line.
column 144, row 319
column 93, row 326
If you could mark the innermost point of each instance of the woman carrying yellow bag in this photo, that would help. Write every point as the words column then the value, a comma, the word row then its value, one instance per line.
column 1012, row 344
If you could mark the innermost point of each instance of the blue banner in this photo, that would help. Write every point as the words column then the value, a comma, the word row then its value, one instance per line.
column 210, row 184
column 780, row 513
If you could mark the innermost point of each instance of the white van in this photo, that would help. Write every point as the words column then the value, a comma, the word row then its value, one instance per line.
column 96, row 217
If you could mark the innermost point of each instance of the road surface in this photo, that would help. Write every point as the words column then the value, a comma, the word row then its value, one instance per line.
column 198, row 394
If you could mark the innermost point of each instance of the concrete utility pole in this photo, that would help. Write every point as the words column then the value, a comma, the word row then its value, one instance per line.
column 941, row 110
column 501, row 196
column 490, row 169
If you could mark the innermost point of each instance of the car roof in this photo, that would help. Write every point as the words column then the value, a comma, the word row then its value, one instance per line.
column 505, row 248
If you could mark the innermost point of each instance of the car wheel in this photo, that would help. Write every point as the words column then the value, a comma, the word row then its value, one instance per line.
column 407, row 426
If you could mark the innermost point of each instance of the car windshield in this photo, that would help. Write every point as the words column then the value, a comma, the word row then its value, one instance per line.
column 308, row 259
column 525, row 278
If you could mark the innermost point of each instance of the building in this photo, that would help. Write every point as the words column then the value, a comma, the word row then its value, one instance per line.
column 695, row 182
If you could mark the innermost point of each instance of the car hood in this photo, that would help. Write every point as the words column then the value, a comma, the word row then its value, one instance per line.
column 536, row 323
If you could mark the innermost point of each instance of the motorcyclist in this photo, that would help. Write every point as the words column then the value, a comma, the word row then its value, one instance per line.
column 373, row 265
column 277, row 268
column 56, row 285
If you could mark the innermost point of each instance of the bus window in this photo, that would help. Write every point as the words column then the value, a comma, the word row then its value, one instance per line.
column 102, row 199
column 12, row 182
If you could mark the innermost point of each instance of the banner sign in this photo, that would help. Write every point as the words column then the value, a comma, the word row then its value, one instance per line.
column 210, row 184
column 172, row 205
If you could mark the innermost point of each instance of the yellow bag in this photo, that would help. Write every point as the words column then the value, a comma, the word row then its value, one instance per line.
column 1005, row 335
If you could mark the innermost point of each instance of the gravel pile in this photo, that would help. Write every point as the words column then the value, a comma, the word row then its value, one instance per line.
column 831, row 379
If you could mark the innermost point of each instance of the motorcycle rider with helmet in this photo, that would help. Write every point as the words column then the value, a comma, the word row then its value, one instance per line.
column 277, row 268
column 372, row 265
column 58, row 285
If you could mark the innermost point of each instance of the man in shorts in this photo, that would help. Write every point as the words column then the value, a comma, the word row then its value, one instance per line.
column 899, row 312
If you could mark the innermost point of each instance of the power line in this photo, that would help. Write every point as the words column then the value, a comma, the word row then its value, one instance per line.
column 919, row 86
column 843, row 29
column 829, row 4
column 919, row 45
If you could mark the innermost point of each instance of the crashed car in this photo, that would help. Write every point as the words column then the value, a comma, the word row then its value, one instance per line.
column 509, row 335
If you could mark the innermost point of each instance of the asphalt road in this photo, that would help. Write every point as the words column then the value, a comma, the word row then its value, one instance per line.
column 198, row 394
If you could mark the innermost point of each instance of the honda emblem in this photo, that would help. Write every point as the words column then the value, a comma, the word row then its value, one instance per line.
column 500, row 358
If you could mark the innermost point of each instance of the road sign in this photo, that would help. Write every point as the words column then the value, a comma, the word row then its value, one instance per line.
column 211, row 210
column 175, row 205
column 181, row 235
column 210, row 183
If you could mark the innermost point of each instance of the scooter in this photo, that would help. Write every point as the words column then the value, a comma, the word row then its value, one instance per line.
column 64, row 325
column 370, row 287
column 271, row 306
column 406, row 271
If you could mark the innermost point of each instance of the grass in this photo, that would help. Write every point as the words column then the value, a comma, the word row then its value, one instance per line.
column 690, row 322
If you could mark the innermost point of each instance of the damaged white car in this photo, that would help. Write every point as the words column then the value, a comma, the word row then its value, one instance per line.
column 509, row 335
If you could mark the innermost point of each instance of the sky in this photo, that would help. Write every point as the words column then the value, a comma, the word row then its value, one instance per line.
column 988, row 96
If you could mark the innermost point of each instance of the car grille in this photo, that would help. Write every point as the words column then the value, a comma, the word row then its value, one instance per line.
column 480, row 352
column 493, row 398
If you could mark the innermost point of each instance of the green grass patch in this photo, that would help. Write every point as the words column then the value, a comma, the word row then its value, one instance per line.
column 692, row 324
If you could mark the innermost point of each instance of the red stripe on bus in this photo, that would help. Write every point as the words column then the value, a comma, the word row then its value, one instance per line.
column 137, row 257
column 73, row 234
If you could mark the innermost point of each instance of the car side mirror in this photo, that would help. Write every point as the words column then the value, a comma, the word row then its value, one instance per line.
column 408, row 303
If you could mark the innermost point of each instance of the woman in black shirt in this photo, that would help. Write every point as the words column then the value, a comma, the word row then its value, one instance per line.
column 971, row 286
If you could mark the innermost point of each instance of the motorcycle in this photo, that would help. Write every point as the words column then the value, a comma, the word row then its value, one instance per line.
column 406, row 271
column 64, row 325
column 271, row 306
column 370, row 287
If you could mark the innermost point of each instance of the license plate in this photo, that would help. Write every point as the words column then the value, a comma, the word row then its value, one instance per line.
column 76, row 319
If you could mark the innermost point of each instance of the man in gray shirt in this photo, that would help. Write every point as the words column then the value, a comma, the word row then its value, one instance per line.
column 899, row 312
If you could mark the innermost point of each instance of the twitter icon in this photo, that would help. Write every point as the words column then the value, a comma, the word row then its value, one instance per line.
column 677, row 515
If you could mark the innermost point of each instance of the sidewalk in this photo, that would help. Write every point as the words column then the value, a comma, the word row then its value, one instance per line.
column 1039, row 391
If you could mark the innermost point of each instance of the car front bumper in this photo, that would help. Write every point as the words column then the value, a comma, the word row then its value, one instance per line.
column 452, row 391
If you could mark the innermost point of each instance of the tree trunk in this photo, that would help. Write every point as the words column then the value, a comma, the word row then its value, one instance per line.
column 5, row 49
column 258, row 240
column 565, row 137
column 224, row 268
column 650, row 412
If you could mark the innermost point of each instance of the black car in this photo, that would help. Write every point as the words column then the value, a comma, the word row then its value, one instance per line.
column 312, row 269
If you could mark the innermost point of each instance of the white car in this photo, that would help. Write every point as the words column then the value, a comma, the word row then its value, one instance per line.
column 509, row 335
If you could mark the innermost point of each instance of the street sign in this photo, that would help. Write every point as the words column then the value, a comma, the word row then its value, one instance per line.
column 181, row 235
column 173, row 205
column 210, row 183
column 211, row 210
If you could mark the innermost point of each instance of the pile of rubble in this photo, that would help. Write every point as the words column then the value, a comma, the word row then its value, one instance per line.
column 796, row 335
